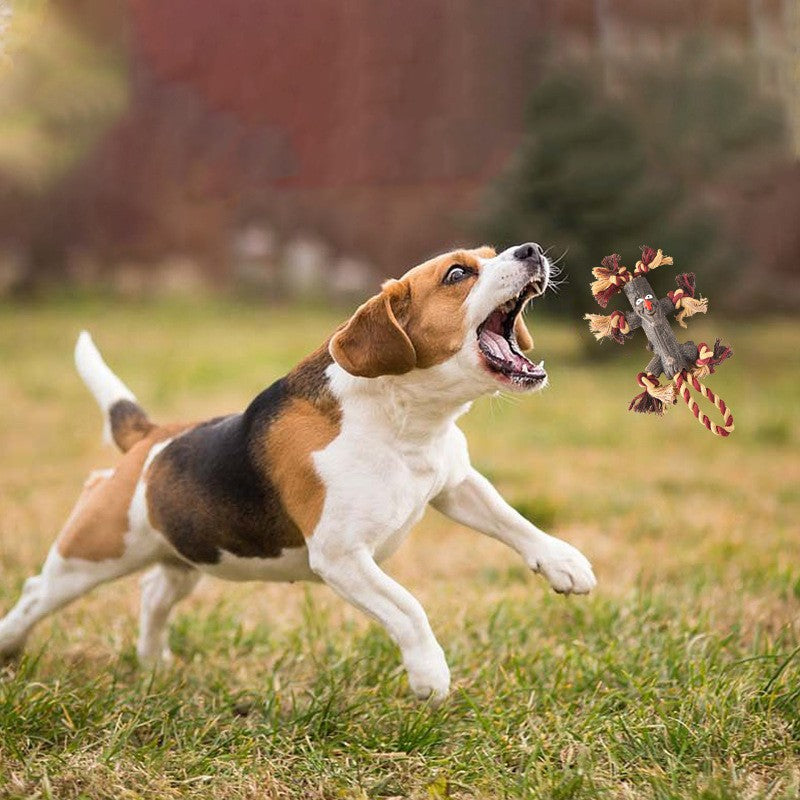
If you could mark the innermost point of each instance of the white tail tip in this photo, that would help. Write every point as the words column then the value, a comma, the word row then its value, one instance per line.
column 106, row 387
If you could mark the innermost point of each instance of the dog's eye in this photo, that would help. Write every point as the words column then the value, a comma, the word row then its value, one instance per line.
column 648, row 297
column 456, row 273
column 639, row 301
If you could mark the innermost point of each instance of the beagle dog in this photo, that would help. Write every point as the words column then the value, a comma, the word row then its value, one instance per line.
column 325, row 473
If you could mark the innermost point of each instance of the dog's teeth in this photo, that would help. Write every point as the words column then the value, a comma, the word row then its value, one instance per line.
column 541, row 364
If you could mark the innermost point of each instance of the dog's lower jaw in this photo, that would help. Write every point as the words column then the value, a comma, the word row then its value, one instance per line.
column 428, row 674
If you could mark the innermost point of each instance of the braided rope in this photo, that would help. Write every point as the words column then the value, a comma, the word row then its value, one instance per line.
column 681, row 381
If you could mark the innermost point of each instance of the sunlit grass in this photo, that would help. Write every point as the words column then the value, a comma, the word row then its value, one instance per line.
column 677, row 678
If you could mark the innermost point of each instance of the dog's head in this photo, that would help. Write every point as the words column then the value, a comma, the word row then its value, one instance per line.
column 461, row 311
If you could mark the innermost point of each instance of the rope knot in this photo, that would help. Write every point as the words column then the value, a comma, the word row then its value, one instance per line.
column 708, row 358
column 651, row 259
column 647, row 380
column 686, row 304
column 704, row 354
column 655, row 399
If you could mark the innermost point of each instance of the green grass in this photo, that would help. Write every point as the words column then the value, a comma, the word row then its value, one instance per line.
column 677, row 678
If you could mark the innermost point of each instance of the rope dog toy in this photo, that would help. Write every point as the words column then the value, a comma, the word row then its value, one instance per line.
column 683, row 364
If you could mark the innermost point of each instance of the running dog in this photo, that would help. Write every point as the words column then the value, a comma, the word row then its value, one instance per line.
column 325, row 473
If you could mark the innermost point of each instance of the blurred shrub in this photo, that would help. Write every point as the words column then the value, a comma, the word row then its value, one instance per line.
column 774, row 432
column 703, row 118
column 58, row 92
column 597, row 173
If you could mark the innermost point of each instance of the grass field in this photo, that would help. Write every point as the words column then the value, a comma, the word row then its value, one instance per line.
column 678, row 678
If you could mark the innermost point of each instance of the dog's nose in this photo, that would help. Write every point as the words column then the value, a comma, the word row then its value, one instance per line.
column 528, row 252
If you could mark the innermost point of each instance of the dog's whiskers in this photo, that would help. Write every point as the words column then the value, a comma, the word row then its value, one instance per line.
column 556, row 272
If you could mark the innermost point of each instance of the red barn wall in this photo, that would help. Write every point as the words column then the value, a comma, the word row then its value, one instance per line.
column 369, row 124
column 372, row 125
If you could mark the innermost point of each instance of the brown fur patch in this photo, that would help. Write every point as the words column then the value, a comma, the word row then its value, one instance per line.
column 215, row 490
column 416, row 321
column 299, row 431
column 434, row 317
column 96, row 528
column 207, row 494
column 373, row 342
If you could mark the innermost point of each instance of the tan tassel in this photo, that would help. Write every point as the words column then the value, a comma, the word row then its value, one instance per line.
column 661, row 260
column 614, row 326
column 603, row 281
column 607, row 277
column 665, row 393
column 689, row 306
column 600, row 325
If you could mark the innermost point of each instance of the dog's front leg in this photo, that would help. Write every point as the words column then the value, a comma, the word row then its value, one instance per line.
column 356, row 577
column 476, row 503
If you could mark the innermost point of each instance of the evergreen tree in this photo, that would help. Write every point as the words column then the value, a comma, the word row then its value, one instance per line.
column 579, row 184
column 595, row 175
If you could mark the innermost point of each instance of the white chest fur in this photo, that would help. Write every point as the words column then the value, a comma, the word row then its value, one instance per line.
column 383, row 469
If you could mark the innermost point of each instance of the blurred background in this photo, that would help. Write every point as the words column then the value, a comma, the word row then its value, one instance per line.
column 283, row 150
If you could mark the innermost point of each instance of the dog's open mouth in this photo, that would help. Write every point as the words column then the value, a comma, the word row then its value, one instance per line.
column 498, row 346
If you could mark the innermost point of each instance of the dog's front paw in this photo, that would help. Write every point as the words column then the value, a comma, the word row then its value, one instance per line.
column 428, row 676
column 567, row 569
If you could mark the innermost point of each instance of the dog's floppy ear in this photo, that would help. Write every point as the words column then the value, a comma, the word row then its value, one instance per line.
column 523, row 335
column 373, row 342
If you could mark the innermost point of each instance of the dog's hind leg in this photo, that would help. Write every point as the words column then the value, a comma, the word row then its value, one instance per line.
column 16, row 625
column 162, row 587
column 97, row 544
column 61, row 581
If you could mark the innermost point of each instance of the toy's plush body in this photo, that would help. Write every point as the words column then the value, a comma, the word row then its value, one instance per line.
column 680, row 362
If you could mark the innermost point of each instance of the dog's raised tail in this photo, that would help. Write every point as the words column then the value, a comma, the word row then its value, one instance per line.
column 124, row 420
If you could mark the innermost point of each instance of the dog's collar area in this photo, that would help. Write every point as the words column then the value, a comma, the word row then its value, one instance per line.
column 498, row 345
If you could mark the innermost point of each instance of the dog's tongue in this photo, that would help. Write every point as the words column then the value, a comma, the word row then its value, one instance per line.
column 497, row 345
column 500, row 348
